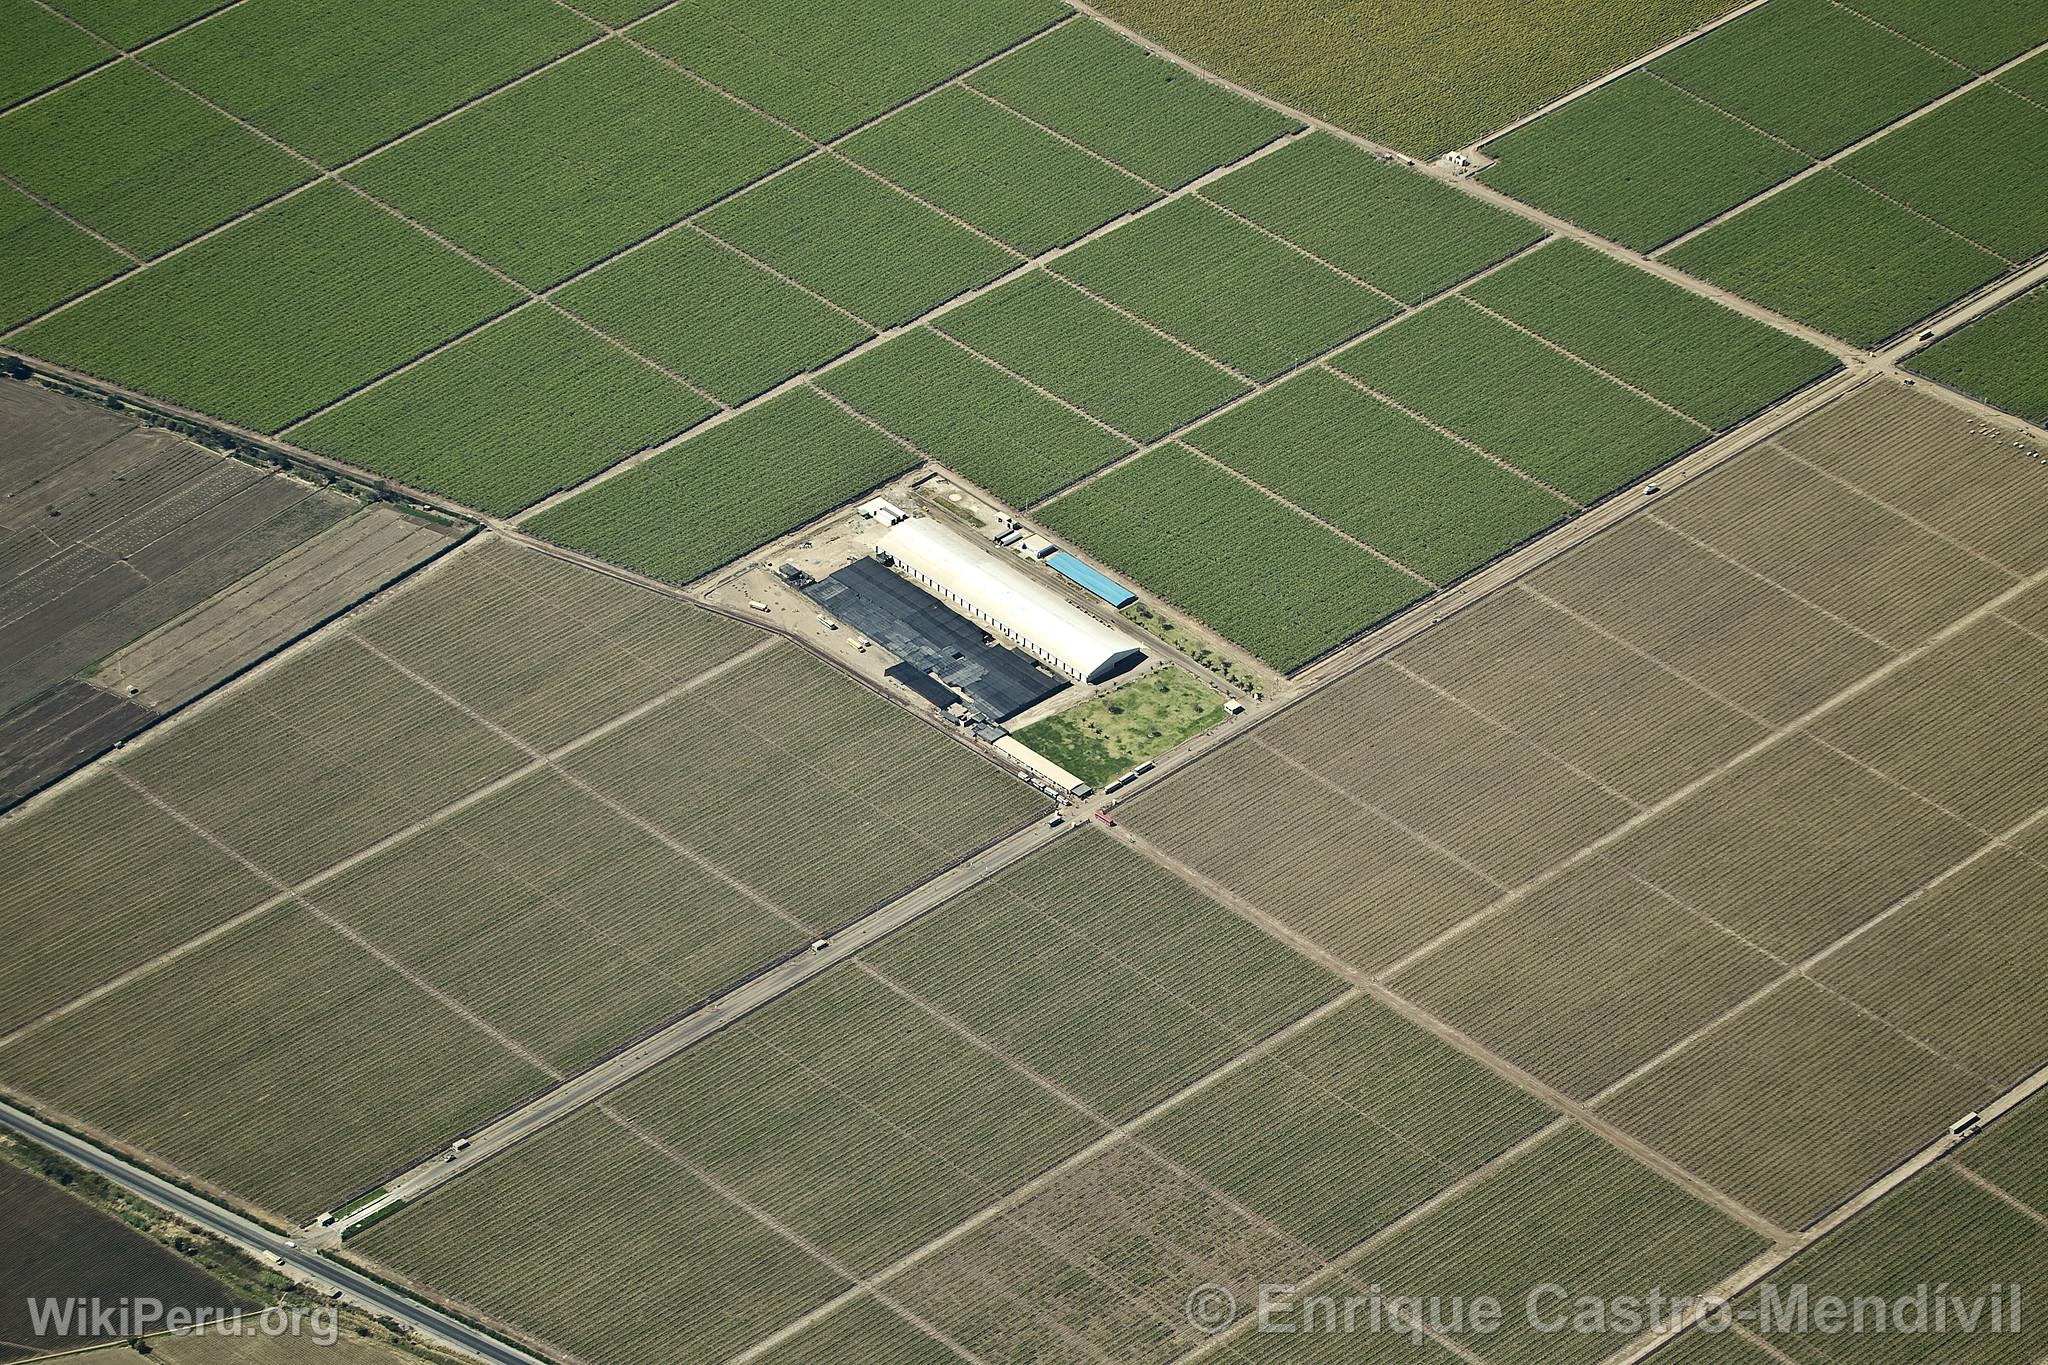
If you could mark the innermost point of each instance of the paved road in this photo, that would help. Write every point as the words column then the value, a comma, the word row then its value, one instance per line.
column 262, row 1242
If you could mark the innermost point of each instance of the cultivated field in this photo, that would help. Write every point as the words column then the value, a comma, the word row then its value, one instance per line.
column 1901, row 220
column 1992, row 358
column 1608, row 823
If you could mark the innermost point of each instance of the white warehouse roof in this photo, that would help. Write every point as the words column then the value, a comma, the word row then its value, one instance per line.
column 999, row 593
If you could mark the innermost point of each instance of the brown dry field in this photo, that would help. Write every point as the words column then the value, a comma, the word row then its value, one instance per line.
column 1796, row 1103
column 1721, row 627
column 1617, row 714
column 2029, row 610
column 1256, row 825
column 1587, row 977
column 1496, row 800
column 1915, row 452
column 1794, row 847
column 1950, row 968
column 1966, row 724
column 1836, row 548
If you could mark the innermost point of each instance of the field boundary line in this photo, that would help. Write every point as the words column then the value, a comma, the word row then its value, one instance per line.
column 1779, row 734
column 82, row 226
column 1321, row 361
column 1073, row 1161
column 1571, row 355
column 1328, row 525
column 1803, row 969
column 1034, row 386
column 1567, row 1106
column 118, row 52
column 882, row 336
column 410, row 975
column 1440, row 429
column 1903, row 37
column 1999, row 1192
column 1014, row 112
column 1400, row 305
column 1827, row 162
column 924, row 457
column 1751, row 571
column 1197, row 352
column 1494, row 722
column 1953, row 542
column 2023, row 627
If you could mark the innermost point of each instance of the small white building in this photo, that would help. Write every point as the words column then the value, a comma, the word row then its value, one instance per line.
column 999, row 594
column 884, row 511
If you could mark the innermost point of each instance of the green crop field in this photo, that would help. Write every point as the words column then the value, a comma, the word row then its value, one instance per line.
column 127, row 23
column 283, row 314
column 1507, row 393
column 824, row 797
column 828, row 68
column 1019, row 184
column 1936, row 165
column 1571, row 1211
column 544, row 648
column 263, row 1061
column 1707, row 361
column 1101, row 971
column 1420, row 75
column 1139, row 110
column 535, row 1237
column 1224, row 288
column 45, row 50
column 55, row 259
column 526, row 407
column 1100, row 739
column 856, row 1117
column 1403, row 232
column 1346, row 1125
column 1979, row 36
column 318, row 759
column 1256, row 570
column 128, row 155
column 1100, row 361
column 1938, row 1235
column 728, row 489
column 2029, row 78
column 1810, row 72
column 581, row 161
column 1587, row 162
column 970, row 416
column 100, row 881
column 1774, row 1136
column 316, row 77
column 1998, row 357
column 1386, row 478
column 871, row 249
column 1831, row 253
column 700, row 308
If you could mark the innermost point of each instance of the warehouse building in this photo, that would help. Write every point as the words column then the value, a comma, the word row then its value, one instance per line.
column 1009, row 601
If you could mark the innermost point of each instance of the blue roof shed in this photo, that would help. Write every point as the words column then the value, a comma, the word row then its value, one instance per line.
column 1103, row 586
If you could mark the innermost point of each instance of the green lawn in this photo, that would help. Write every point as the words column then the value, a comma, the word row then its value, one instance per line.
column 1404, row 232
column 314, row 75
column 1706, row 360
column 871, row 249
column 970, row 416
column 1101, row 739
column 129, row 155
column 1017, row 183
column 1507, row 393
column 280, row 314
column 1110, row 367
column 1398, row 485
column 1637, row 161
column 705, row 311
column 1141, row 111
column 1998, row 357
column 736, row 486
column 1225, row 289
column 577, row 163
column 500, row 420
column 1831, row 253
